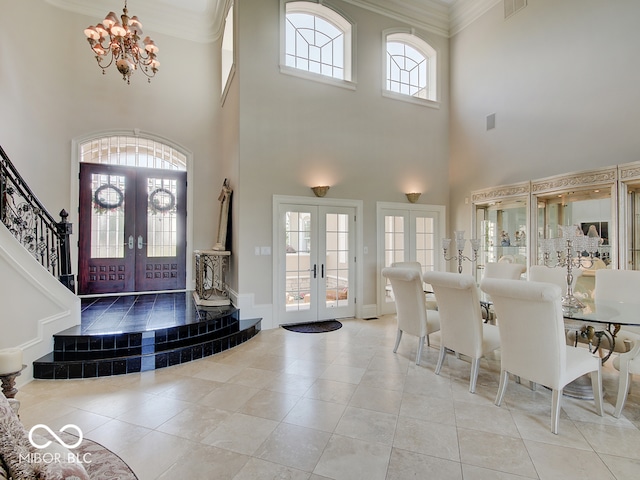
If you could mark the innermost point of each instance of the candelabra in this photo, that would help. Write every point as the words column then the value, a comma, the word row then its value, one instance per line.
column 568, row 251
column 460, row 243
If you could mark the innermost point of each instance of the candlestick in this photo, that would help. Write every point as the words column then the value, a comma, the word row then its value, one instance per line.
column 460, row 244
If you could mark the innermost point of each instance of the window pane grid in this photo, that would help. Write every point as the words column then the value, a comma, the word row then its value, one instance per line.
column 132, row 152
column 312, row 44
column 407, row 70
column 107, row 216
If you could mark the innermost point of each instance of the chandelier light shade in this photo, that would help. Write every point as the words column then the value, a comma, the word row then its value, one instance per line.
column 118, row 41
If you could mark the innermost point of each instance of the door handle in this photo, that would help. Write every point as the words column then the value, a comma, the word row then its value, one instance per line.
column 314, row 270
column 140, row 244
column 130, row 242
column 322, row 271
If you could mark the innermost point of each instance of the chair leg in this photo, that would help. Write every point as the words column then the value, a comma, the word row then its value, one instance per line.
column 623, row 390
column 556, row 396
column 475, row 366
column 596, row 384
column 504, row 379
column 443, row 352
column 419, row 354
column 398, row 337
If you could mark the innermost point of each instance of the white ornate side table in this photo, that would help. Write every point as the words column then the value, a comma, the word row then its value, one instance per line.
column 211, row 268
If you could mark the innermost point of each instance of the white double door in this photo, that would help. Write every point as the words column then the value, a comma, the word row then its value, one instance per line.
column 407, row 234
column 316, row 262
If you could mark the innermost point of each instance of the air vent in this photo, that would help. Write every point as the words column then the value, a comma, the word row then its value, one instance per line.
column 513, row 6
column 491, row 121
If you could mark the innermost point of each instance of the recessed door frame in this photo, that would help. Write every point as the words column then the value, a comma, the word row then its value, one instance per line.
column 75, row 191
column 410, row 210
column 279, row 200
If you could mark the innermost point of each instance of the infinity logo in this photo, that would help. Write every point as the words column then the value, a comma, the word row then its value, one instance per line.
column 58, row 439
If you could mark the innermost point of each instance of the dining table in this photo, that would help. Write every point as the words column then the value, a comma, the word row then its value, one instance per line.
column 598, row 319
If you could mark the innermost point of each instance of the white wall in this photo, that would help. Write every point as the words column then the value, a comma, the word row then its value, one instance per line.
column 52, row 91
column 296, row 133
column 562, row 79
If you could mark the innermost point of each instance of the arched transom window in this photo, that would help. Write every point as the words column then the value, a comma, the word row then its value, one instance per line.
column 132, row 152
column 317, row 40
column 411, row 66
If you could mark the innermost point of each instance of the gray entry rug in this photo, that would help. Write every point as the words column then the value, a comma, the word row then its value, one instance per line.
column 315, row 327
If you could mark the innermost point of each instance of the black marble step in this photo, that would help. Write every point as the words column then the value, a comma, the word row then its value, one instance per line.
column 79, row 354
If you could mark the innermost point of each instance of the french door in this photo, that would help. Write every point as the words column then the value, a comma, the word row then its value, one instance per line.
column 316, row 263
column 407, row 234
column 132, row 229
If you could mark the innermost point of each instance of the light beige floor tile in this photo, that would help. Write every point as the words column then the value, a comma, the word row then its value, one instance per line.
column 331, row 391
column 472, row 472
column 155, row 453
column 188, row 389
column 307, row 368
column 204, row 461
column 229, row 397
column 432, row 409
column 154, row 412
column 273, row 363
column 218, row 372
column 380, row 400
column 315, row 414
column 195, row 422
column 253, row 377
column 269, row 404
column 367, row 425
column 386, row 380
column 342, row 373
column 622, row 468
column 486, row 418
column 553, row 462
column 117, row 436
column 612, row 440
column 241, row 433
column 429, row 438
column 257, row 469
column 404, row 465
column 294, row 446
column 352, row 459
column 291, row 383
column 537, row 426
column 495, row 452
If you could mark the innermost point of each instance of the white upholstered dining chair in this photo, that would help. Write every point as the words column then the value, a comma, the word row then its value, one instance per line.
column 411, row 310
column 430, row 298
column 461, row 326
column 552, row 363
column 628, row 363
column 555, row 275
column 504, row 270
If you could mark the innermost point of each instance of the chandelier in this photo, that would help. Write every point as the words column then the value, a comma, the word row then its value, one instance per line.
column 114, row 40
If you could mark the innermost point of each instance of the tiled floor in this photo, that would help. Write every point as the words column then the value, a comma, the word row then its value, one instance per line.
column 339, row 405
column 137, row 313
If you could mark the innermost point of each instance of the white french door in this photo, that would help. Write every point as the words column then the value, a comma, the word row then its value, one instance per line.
column 316, row 262
column 407, row 234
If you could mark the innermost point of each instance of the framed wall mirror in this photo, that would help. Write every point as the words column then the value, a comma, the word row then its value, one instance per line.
column 500, row 218
column 629, row 208
column 583, row 203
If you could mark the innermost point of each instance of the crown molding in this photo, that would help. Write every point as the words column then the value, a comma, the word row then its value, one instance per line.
column 429, row 15
column 463, row 13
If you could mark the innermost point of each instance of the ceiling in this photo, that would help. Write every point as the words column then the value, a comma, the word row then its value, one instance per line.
column 201, row 20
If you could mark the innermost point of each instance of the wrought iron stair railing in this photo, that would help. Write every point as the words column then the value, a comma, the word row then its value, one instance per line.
column 33, row 226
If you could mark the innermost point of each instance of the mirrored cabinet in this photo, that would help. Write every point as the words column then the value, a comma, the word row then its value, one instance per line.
column 629, row 193
column 579, row 204
column 500, row 222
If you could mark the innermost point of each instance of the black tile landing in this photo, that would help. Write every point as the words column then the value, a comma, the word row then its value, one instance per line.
column 135, row 333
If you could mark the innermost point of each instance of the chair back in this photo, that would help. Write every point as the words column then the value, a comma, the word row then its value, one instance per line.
column 555, row 275
column 414, row 265
column 504, row 270
column 617, row 285
column 460, row 313
column 411, row 312
column 526, row 311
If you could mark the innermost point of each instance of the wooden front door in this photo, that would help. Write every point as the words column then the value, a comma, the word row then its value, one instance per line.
column 132, row 229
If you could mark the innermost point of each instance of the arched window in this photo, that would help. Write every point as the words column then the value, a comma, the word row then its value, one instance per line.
column 317, row 39
column 411, row 66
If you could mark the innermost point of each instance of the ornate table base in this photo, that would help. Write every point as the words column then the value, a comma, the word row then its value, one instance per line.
column 211, row 288
column 8, row 382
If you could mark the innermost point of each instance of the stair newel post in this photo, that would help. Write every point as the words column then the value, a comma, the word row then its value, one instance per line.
column 65, row 230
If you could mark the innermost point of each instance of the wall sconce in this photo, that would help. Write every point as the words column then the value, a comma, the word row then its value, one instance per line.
column 320, row 191
column 413, row 197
